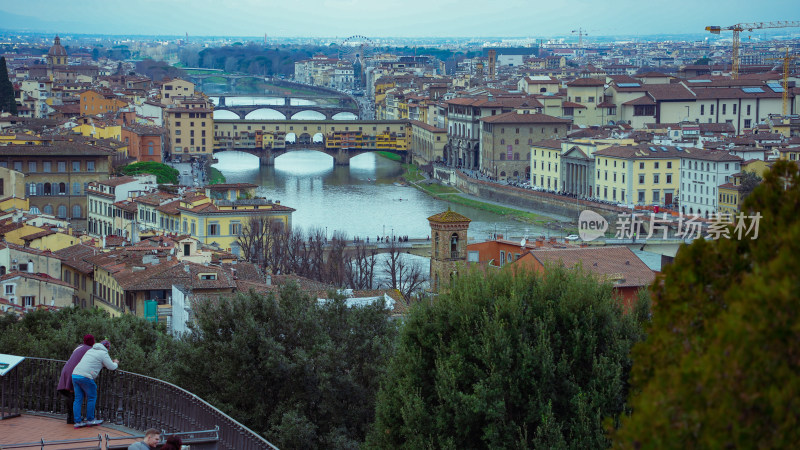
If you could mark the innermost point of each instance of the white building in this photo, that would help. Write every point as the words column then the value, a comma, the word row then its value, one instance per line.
column 701, row 173
column 101, row 196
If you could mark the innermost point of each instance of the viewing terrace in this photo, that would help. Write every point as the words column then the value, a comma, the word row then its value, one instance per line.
column 33, row 413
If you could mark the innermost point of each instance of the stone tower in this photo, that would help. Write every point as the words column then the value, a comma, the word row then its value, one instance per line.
column 448, row 246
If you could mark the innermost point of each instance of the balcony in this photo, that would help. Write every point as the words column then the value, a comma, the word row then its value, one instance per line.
column 124, row 399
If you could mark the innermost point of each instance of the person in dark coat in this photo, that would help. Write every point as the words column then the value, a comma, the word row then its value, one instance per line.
column 65, row 381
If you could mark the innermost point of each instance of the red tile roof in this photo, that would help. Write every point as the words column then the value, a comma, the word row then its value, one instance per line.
column 617, row 264
column 514, row 117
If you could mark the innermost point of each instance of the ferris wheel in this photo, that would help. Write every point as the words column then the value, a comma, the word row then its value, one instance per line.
column 356, row 47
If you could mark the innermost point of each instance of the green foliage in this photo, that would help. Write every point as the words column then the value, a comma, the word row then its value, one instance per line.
column 505, row 361
column 304, row 375
column 720, row 367
column 7, row 101
column 216, row 177
column 158, row 70
column 749, row 182
column 704, row 61
column 164, row 173
column 141, row 346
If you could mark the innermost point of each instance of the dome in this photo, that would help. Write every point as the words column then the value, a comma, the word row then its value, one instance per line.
column 57, row 49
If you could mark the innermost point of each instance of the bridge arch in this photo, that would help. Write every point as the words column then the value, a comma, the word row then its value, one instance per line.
column 344, row 115
column 265, row 114
column 304, row 138
column 318, row 137
column 225, row 114
column 308, row 114
column 291, row 138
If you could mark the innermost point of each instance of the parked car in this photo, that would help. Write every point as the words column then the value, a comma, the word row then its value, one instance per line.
column 572, row 237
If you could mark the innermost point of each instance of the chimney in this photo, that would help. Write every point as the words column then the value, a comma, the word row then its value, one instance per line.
column 552, row 239
column 540, row 242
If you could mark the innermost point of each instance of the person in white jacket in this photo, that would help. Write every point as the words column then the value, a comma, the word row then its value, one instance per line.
column 83, row 381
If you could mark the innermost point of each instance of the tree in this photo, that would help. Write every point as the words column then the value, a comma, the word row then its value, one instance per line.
column 141, row 346
column 164, row 173
column 749, row 182
column 402, row 274
column 8, row 102
column 719, row 368
column 509, row 361
column 301, row 373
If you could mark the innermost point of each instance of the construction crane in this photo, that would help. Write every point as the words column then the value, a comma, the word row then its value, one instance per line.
column 581, row 33
column 786, row 59
column 739, row 27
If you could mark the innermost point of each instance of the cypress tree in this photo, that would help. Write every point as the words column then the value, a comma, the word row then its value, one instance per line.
column 7, row 101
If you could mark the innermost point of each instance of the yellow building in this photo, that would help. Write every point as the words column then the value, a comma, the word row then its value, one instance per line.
column 176, row 88
column 545, row 159
column 191, row 128
column 33, row 290
column 756, row 165
column 730, row 195
column 640, row 175
column 12, row 184
column 789, row 154
column 77, row 272
column 221, row 221
column 100, row 130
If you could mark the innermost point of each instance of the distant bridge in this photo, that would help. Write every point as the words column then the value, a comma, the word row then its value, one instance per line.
column 289, row 111
column 340, row 139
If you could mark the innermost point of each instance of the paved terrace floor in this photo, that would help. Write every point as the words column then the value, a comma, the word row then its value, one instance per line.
column 29, row 428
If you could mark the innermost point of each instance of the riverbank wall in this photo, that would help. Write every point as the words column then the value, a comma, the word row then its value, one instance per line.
column 525, row 199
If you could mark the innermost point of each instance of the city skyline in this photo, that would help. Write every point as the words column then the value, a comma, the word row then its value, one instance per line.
column 415, row 18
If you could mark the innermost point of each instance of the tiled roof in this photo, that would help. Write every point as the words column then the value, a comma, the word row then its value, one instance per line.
column 74, row 256
column 448, row 217
column 643, row 100
column 586, row 82
column 607, row 262
column 643, row 151
column 514, row 117
column 36, row 277
column 548, row 143
column 706, row 155
column 572, row 105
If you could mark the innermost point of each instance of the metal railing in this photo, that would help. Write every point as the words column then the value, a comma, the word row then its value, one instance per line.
column 128, row 399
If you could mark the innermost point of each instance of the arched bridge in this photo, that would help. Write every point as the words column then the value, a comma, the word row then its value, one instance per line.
column 289, row 111
column 341, row 139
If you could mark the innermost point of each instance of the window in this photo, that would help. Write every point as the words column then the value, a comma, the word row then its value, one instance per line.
column 208, row 276
column 655, row 178
column 577, row 99
column 702, row 109
column 669, row 164
column 669, row 178
column 76, row 188
column 76, row 166
column 734, row 108
column 46, row 167
column 28, row 300
column 18, row 166
column 724, row 108
column 10, row 289
column 641, row 179
column 90, row 166
column 62, row 166
column 641, row 196
column 747, row 122
column 655, row 165
column 641, row 165
column 32, row 166
column 235, row 228
column 656, row 196
column 711, row 109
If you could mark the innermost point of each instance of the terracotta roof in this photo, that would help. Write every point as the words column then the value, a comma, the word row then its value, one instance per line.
column 448, row 217
column 732, row 186
column 548, row 143
column 582, row 82
column 707, row 155
column 514, row 117
column 572, row 105
column 619, row 265
column 643, row 100
column 170, row 208
column 643, row 151
column 73, row 256
column 37, row 277
column 425, row 126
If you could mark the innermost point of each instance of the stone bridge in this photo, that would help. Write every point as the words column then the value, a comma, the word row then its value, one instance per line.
column 341, row 156
column 289, row 111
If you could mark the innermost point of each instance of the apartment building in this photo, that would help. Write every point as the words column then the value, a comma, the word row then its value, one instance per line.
column 57, row 174
column 176, row 89
column 506, row 141
column 104, row 218
column 427, row 143
column 545, row 159
column 702, row 172
column 190, row 125
column 639, row 174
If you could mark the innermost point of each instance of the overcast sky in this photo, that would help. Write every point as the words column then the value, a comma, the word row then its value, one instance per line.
column 384, row 18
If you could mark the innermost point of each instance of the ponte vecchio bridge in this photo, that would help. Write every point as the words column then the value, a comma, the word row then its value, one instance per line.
column 341, row 139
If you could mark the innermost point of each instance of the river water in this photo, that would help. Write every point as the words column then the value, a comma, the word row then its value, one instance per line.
column 359, row 200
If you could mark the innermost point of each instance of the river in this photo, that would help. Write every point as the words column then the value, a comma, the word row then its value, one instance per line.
column 359, row 200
